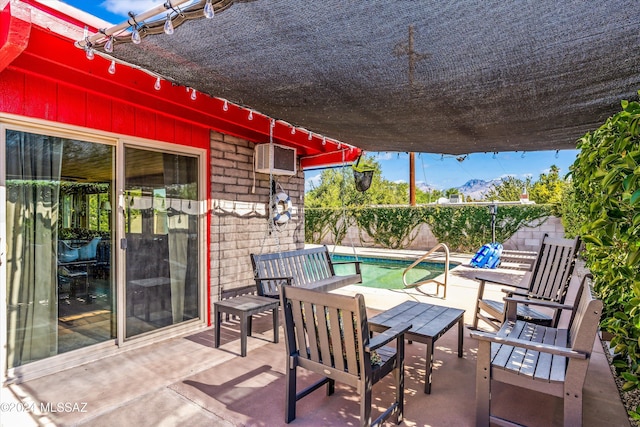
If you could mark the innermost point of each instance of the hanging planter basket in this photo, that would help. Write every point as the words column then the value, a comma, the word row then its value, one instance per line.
column 362, row 175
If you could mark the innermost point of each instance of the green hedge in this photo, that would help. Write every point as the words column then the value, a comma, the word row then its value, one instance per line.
column 606, row 179
column 463, row 228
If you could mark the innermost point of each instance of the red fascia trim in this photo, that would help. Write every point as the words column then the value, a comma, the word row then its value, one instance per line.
column 330, row 159
column 60, row 15
column 15, row 29
column 54, row 57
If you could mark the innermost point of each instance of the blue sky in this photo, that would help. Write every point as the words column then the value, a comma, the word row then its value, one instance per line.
column 442, row 172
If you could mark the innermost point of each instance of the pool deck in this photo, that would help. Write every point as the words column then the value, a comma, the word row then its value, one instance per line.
column 186, row 381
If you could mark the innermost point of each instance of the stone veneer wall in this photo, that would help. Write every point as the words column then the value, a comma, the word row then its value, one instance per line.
column 525, row 239
column 236, row 229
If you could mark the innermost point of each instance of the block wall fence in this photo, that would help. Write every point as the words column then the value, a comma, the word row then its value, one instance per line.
column 525, row 239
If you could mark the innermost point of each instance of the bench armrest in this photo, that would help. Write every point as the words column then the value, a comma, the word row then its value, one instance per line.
column 387, row 336
column 287, row 278
column 515, row 282
column 519, row 291
column 529, row 345
column 538, row 302
column 356, row 263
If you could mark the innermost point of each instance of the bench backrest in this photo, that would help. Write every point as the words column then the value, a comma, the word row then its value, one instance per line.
column 319, row 327
column 304, row 266
column 586, row 319
column 553, row 268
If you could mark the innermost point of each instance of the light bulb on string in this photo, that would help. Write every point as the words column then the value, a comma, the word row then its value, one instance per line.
column 193, row 94
column 208, row 10
column 293, row 130
column 89, row 52
column 108, row 46
column 310, row 136
column 495, row 154
column 168, row 25
column 250, row 117
column 157, row 84
column 557, row 153
column 135, row 36
column 324, row 140
column 112, row 67
column 225, row 106
column 523, row 153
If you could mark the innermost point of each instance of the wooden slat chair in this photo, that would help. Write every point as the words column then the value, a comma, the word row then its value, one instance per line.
column 328, row 334
column 540, row 358
column 548, row 281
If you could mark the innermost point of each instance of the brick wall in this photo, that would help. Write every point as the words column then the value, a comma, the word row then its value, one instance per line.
column 239, row 210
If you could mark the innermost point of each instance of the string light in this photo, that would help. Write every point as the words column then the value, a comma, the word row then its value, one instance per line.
column 557, row 153
column 157, row 84
column 88, row 47
column 168, row 25
column 495, row 154
column 310, row 136
column 135, row 34
column 193, row 94
column 112, row 67
column 324, row 140
column 208, row 10
column 250, row 117
column 108, row 46
column 225, row 106
column 138, row 28
column 293, row 130
column 523, row 153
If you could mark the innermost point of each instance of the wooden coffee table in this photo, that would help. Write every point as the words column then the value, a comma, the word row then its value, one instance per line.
column 429, row 322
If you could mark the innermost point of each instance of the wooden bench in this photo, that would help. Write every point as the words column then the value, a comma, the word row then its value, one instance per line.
column 541, row 358
column 305, row 268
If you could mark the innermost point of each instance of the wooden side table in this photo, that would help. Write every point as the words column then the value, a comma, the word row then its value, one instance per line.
column 245, row 306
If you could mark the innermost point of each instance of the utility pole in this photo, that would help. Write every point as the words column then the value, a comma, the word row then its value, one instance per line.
column 412, row 179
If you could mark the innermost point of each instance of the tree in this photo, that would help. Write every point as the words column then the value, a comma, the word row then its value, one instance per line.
column 337, row 189
column 509, row 189
column 549, row 188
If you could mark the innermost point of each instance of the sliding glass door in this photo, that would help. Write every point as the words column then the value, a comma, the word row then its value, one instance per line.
column 161, row 239
column 59, row 287
column 85, row 263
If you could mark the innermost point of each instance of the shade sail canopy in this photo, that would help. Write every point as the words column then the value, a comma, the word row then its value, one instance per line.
column 441, row 77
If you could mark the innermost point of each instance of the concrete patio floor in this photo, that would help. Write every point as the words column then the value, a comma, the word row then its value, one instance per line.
column 186, row 382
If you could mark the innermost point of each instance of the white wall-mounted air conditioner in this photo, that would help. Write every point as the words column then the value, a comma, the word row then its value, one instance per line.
column 275, row 159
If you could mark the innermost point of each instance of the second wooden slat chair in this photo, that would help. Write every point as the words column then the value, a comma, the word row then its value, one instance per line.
column 548, row 281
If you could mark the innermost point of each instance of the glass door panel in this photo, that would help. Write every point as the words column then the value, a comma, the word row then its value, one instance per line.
column 161, row 231
column 60, row 290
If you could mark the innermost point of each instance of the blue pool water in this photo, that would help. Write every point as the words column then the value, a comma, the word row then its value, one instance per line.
column 387, row 273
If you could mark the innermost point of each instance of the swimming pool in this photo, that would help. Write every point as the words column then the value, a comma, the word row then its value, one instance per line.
column 387, row 273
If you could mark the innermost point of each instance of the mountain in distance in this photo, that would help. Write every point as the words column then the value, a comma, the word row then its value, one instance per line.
column 475, row 188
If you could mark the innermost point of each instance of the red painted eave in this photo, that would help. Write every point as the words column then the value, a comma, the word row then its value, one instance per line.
column 34, row 50
column 15, row 28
